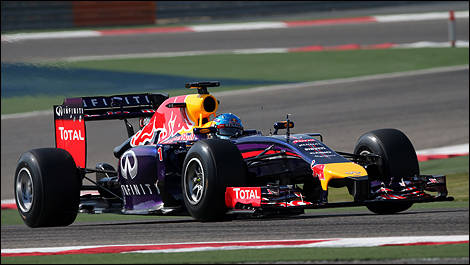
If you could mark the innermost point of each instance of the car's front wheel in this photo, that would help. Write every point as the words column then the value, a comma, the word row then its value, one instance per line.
column 209, row 167
column 397, row 159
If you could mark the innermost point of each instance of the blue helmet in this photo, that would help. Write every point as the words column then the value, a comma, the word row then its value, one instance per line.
column 228, row 125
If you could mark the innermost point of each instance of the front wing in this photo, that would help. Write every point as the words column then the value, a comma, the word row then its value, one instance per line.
column 269, row 197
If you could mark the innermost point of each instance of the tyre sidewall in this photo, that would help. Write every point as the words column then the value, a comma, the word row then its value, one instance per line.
column 199, row 210
column 223, row 166
column 31, row 217
column 56, row 187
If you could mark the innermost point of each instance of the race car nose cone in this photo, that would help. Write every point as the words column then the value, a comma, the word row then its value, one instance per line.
column 341, row 170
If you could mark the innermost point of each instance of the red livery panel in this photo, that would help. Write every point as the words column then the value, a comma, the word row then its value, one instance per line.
column 244, row 195
column 70, row 133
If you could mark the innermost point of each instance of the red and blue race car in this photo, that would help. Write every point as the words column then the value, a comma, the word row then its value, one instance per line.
column 185, row 159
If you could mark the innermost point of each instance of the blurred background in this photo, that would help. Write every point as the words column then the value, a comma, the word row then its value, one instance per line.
column 30, row 15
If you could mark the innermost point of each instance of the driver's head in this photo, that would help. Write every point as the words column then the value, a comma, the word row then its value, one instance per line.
column 228, row 125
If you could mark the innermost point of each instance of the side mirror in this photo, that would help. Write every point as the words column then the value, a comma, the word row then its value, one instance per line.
column 283, row 125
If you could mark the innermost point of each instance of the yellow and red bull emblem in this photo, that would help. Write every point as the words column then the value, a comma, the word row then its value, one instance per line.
column 326, row 172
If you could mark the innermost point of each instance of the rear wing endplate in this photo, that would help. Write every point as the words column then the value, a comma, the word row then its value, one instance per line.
column 70, row 117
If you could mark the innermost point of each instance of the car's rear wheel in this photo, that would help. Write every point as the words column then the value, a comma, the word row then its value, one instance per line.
column 397, row 159
column 47, row 187
column 209, row 167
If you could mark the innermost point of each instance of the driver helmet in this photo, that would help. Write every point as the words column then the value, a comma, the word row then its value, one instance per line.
column 228, row 125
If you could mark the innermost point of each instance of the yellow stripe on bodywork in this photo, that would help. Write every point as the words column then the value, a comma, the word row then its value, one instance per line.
column 341, row 170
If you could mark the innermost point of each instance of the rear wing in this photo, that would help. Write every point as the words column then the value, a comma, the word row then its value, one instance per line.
column 70, row 117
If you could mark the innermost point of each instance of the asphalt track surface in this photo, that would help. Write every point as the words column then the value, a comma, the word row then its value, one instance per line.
column 432, row 109
column 359, row 223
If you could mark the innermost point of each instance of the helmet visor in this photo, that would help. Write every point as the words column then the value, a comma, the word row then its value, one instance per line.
column 229, row 131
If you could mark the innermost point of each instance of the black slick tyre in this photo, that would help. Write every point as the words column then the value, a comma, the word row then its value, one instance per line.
column 398, row 159
column 389, row 207
column 209, row 167
column 47, row 187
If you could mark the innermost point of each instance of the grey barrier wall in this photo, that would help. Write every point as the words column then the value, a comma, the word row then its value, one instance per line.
column 27, row 15
column 18, row 15
column 207, row 10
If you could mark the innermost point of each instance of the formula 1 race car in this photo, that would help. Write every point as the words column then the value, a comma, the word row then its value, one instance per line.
column 182, row 162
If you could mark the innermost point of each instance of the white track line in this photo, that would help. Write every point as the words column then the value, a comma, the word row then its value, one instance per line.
column 229, row 245
column 50, row 35
column 27, row 114
column 430, row 44
column 172, row 54
column 330, row 243
column 419, row 16
column 446, row 150
column 421, row 44
column 8, row 201
column 239, row 26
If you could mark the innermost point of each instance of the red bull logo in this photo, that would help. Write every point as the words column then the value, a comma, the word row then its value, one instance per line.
column 165, row 123
column 318, row 171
